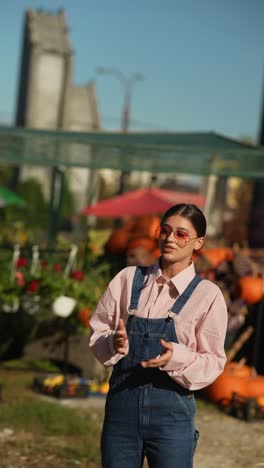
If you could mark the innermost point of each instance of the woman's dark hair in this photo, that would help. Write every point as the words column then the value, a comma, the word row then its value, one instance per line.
column 192, row 213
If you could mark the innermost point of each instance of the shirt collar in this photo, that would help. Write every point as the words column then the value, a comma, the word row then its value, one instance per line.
column 180, row 281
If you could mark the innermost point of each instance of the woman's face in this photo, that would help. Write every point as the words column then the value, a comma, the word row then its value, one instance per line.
column 178, row 246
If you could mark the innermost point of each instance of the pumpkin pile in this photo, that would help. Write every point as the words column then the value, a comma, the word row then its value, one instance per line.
column 238, row 388
column 215, row 256
column 137, row 231
column 242, row 284
column 239, row 279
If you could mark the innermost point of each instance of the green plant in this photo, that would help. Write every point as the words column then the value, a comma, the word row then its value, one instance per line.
column 34, row 300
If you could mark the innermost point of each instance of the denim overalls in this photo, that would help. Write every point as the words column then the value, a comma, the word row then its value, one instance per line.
column 147, row 412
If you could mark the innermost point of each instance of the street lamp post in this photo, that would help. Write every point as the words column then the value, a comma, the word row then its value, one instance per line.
column 127, row 82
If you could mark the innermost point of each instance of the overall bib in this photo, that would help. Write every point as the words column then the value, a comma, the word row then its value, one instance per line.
column 147, row 412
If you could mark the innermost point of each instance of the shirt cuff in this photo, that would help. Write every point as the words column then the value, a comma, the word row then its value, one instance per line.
column 181, row 358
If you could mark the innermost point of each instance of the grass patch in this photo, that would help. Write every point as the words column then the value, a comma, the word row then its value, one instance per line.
column 47, row 418
column 41, row 365
column 43, row 428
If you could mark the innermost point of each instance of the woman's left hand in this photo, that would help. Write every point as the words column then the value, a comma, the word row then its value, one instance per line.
column 161, row 360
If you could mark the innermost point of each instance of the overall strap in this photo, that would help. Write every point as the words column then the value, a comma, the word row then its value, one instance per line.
column 183, row 298
column 138, row 282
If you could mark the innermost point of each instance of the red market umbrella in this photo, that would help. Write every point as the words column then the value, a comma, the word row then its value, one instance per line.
column 141, row 202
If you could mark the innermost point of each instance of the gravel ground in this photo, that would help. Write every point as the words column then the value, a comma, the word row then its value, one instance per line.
column 227, row 442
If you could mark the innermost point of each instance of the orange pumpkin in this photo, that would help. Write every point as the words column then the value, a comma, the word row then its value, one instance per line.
column 129, row 224
column 255, row 386
column 147, row 243
column 117, row 242
column 234, row 368
column 235, row 379
column 146, row 225
column 221, row 391
column 260, row 401
column 251, row 289
column 215, row 256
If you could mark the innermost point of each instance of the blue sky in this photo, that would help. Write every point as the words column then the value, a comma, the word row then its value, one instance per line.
column 202, row 60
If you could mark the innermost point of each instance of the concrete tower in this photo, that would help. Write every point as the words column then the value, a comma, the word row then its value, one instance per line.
column 47, row 98
column 46, row 70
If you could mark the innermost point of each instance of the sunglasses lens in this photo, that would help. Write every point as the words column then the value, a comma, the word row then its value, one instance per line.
column 182, row 238
column 163, row 232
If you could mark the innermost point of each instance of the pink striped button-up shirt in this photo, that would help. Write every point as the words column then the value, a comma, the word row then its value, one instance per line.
column 199, row 357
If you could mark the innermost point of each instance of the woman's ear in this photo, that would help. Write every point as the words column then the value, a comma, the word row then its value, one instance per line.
column 199, row 243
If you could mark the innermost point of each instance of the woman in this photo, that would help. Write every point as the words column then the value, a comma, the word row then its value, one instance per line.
column 163, row 329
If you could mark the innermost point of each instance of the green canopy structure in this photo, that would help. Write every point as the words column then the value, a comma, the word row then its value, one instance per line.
column 10, row 198
column 196, row 153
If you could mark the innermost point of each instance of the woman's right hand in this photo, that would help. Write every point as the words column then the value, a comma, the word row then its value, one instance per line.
column 120, row 340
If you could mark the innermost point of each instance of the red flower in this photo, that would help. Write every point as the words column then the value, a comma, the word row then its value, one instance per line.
column 33, row 286
column 22, row 262
column 57, row 267
column 20, row 280
column 78, row 275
